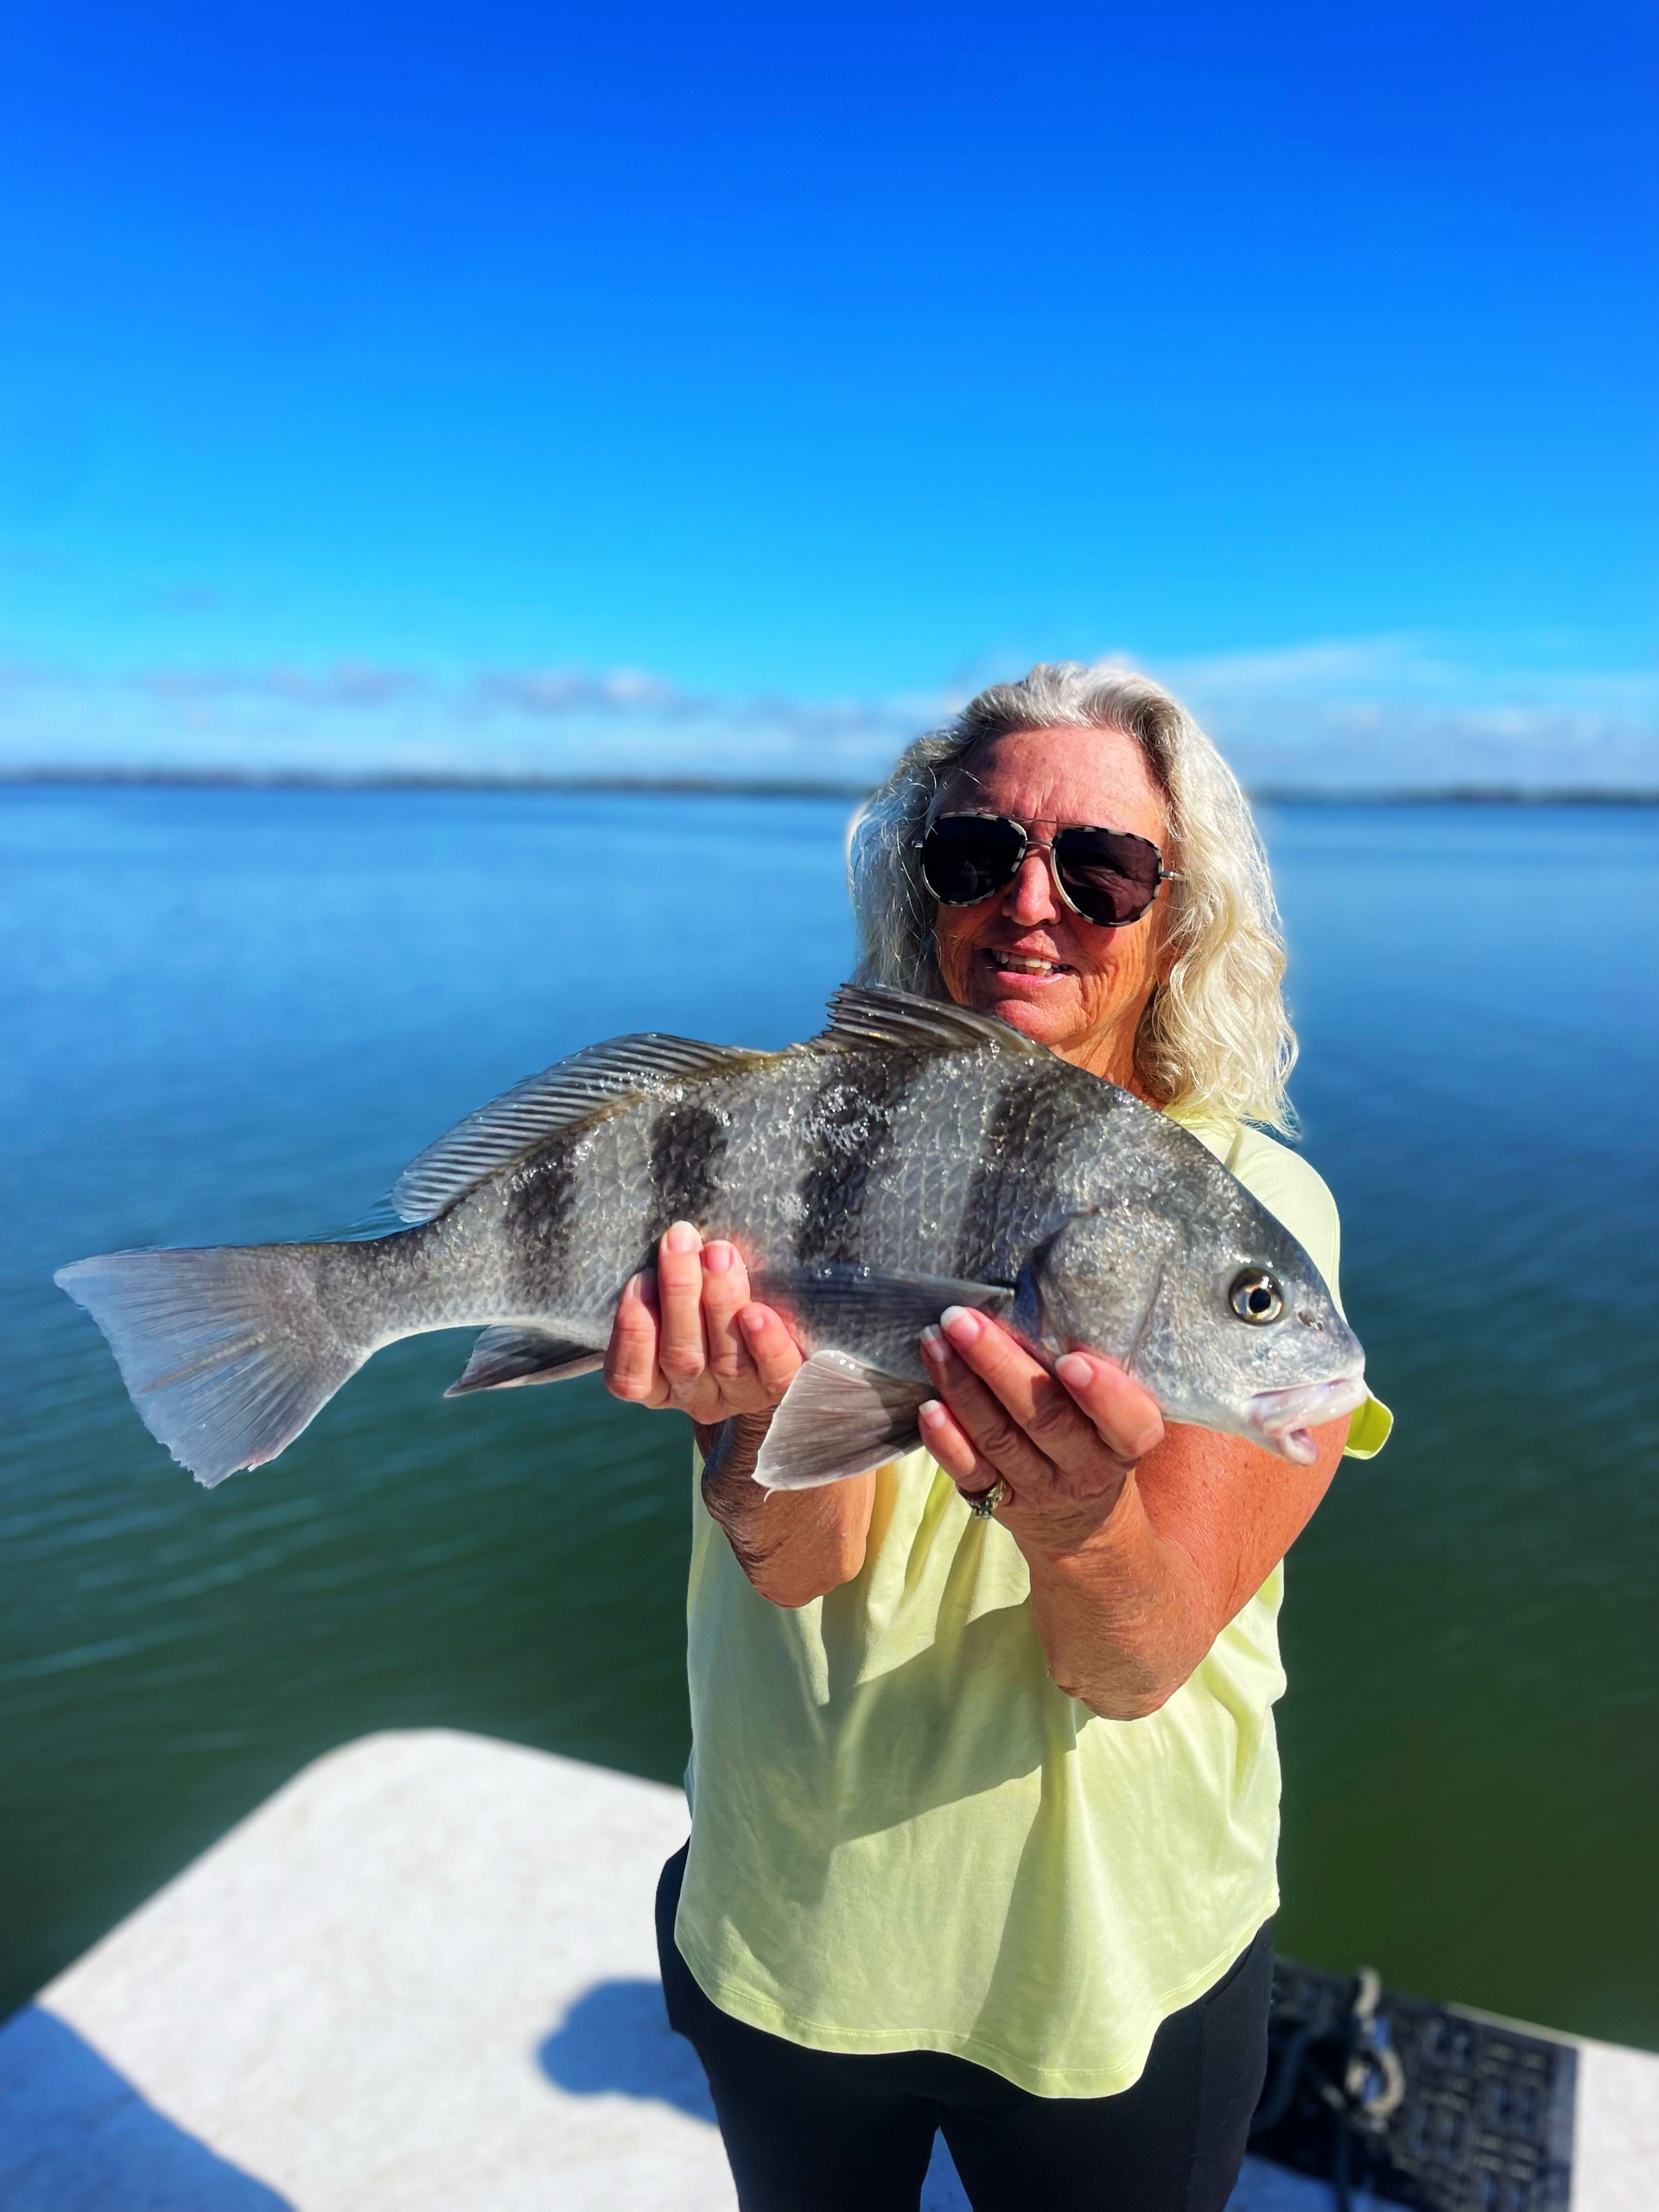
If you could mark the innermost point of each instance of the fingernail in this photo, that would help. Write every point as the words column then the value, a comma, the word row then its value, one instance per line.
column 929, row 1411
column 751, row 1320
column 717, row 1258
column 681, row 1237
column 962, row 1323
column 933, row 1341
column 1075, row 1370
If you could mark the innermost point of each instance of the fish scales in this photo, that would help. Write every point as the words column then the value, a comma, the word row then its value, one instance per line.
column 616, row 1205
column 998, row 1150
column 688, row 1144
column 538, row 1219
column 914, row 1216
column 851, row 1136
column 912, row 1210
column 915, row 1156
column 917, row 1208
column 721, row 1154
column 771, row 1156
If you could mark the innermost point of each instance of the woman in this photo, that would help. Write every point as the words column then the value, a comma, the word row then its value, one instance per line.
column 985, row 1802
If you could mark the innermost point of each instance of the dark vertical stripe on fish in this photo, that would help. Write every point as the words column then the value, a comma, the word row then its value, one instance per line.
column 851, row 1125
column 540, row 1198
column 686, row 1146
column 1012, row 1157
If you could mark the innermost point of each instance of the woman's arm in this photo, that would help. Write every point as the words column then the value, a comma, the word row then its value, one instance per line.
column 794, row 1545
column 691, row 1337
column 1142, row 1542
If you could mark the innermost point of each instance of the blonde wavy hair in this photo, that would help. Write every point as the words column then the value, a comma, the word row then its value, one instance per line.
column 1215, row 1037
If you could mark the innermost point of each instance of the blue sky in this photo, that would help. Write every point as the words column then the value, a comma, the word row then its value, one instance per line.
column 731, row 388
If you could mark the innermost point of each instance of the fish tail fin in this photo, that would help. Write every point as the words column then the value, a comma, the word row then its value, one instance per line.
column 228, row 1353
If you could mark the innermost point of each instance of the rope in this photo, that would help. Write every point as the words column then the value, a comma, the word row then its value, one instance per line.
column 1356, row 2075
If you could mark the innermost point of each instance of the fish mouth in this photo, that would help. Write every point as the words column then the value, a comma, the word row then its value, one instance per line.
column 1281, row 1420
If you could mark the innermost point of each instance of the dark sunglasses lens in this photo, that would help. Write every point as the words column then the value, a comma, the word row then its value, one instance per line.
column 966, row 857
column 1109, row 877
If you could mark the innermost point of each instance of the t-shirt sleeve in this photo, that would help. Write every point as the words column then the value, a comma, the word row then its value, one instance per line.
column 1296, row 1195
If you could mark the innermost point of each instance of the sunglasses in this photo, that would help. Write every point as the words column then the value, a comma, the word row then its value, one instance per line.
column 1109, row 876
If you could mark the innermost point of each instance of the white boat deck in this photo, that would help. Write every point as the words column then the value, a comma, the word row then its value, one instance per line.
column 421, row 1978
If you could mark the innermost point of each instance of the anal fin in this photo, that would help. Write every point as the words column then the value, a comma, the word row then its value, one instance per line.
column 503, row 1358
column 838, row 1418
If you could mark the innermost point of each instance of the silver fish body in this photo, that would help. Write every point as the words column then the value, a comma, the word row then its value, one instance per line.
column 914, row 1156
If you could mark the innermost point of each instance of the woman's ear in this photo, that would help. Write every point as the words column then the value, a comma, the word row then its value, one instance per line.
column 1164, row 915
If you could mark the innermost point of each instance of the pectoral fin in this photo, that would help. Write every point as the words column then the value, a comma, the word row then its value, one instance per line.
column 868, row 1298
column 839, row 1418
column 502, row 1358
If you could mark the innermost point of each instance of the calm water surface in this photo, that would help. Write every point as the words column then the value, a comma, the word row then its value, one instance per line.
column 233, row 1015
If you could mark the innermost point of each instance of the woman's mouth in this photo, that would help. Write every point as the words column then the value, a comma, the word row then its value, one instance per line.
column 1028, row 967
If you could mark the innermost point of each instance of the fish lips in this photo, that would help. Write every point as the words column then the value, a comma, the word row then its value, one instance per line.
column 1281, row 1420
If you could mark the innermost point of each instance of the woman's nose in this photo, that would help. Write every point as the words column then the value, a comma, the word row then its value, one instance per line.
column 1030, row 897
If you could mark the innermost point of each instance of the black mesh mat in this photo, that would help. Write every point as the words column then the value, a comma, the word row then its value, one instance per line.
column 1414, row 2103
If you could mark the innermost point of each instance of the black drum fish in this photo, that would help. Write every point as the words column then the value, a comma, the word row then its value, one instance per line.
column 915, row 1156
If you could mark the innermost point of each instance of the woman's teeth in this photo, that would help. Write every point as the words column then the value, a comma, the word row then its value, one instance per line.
column 1024, row 963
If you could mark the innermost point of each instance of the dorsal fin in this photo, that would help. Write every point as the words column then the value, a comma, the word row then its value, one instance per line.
column 594, row 1081
column 870, row 1014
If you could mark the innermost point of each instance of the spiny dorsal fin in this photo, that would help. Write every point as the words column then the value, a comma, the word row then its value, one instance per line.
column 861, row 1015
column 593, row 1081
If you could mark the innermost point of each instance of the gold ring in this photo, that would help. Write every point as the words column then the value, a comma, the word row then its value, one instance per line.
column 986, row 1503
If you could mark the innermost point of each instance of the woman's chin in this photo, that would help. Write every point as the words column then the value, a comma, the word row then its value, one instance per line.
column 1048, row 1013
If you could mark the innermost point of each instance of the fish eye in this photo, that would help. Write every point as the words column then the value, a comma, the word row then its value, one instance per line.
column 1255, row 1296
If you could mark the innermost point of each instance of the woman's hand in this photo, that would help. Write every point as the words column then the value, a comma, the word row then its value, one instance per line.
column 1142, row 1542
column 690, row 1335
column 1061, row 1444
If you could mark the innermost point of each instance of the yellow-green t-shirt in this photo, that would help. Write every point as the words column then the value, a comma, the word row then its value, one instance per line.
column 905, row 1837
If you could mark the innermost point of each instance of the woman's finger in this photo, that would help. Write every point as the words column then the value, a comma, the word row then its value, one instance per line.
column 776, row 1355
column 983, row 1420
column 1041, row 1409
column 725, row 1293
column 1124, row 1415
column 631, row 1368
column 681, row 1353
column 943, row 1435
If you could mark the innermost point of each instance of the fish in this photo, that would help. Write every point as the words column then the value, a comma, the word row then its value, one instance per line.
column 915, row 1156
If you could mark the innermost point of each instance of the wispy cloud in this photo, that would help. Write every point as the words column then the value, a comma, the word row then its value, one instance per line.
column 360, row 718
column 1368, row 713
column 349, row 683
column 558, row 693
column 1381, row 713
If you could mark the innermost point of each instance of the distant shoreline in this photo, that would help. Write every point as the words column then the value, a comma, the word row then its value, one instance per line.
column 749, row 786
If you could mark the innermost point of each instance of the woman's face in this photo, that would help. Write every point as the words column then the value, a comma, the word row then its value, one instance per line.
column 1022, row 953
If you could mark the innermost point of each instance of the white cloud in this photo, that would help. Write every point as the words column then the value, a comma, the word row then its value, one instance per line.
column 362, row 719
column 1344, row 714
column 1387, row 713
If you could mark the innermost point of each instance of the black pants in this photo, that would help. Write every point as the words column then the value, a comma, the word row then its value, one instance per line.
column 821, row 2131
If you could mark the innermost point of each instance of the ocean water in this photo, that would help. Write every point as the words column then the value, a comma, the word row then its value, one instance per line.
column 230, row 1015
